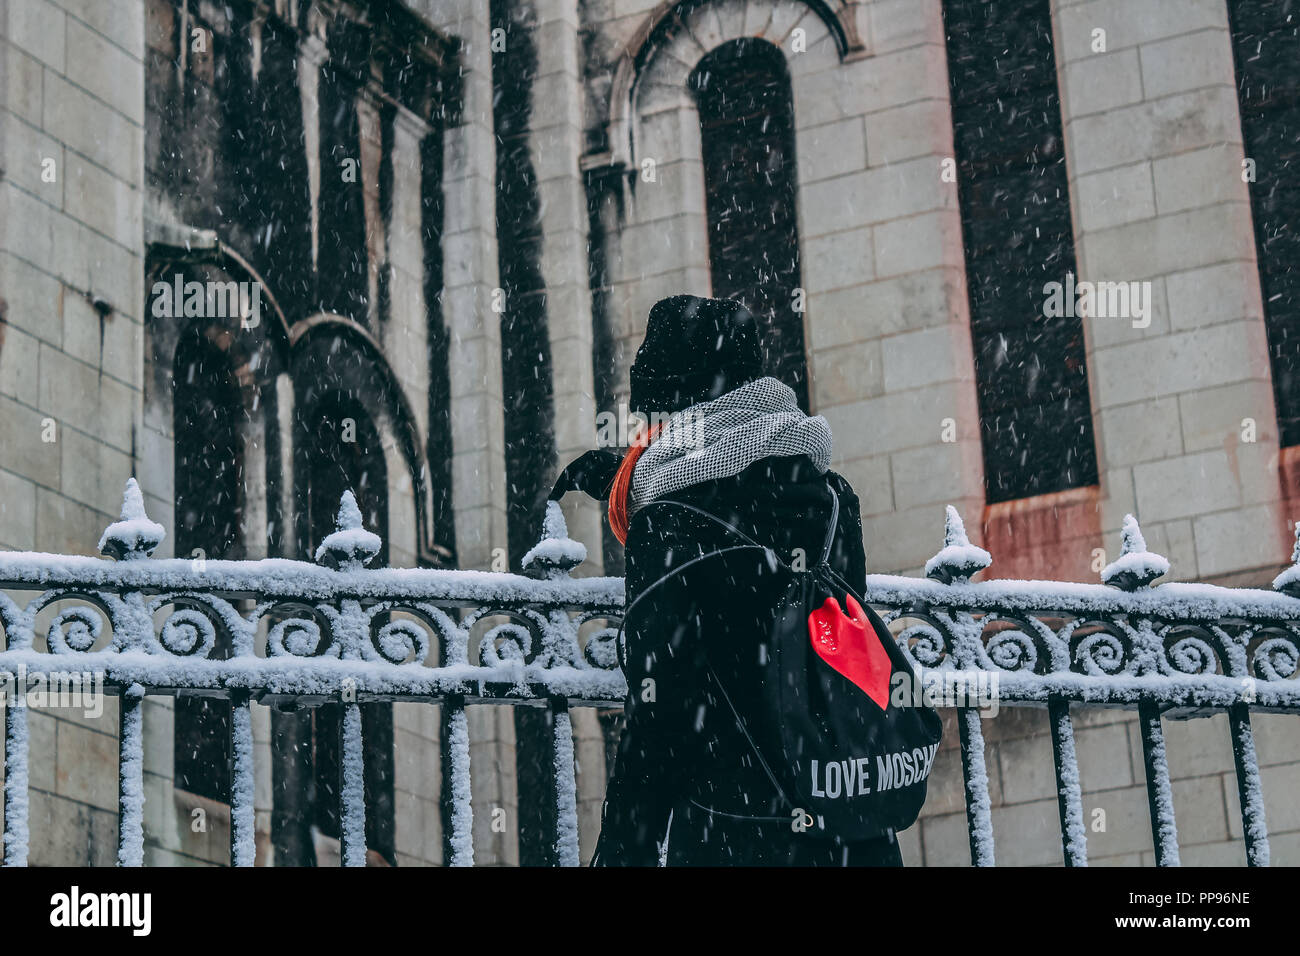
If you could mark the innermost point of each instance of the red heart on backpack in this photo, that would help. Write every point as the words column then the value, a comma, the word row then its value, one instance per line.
column 850, row 645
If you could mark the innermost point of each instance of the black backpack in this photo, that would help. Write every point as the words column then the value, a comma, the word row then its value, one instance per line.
column 815, row 693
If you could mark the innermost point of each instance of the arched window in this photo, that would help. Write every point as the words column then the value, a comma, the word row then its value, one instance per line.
column 1031, row 371
column 340, row 449
column 343, row 452
column 742, row 90
column 1266, row 43
column 208, row 494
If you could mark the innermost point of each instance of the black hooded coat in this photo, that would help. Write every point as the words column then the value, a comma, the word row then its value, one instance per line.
column 683, row 757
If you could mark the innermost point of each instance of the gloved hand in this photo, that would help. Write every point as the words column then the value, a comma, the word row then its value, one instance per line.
column 592, row 473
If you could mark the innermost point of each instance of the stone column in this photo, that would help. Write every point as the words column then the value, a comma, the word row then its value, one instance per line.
column 478, row 431
column 1154, row 148
column 405, row 330
column 888, row 321
column 311, row 57
column 470, row 269
column 556, row 147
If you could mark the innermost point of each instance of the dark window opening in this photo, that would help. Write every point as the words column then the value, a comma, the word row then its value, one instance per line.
column 387, row 145
column 1266, row 48
column 342, row 450
column 207, row 480
column 746, row 111
column 265, row 205
column 440, row 448
column 343, row 257
column 603, row 194
column 1031, row 372
column 526, row 374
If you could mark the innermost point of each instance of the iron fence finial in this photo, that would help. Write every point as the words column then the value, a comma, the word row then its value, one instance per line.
column 1136, row 567
column 349, row 546
column 134, row 535
column 1288, row 582
column 958, row 560
column 556, row 554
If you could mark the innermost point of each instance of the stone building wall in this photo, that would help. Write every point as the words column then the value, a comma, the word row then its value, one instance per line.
column 1154, row 160
column 1153, row 152
column 71, row 373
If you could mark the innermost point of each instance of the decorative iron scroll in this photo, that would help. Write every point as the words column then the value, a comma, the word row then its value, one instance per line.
column 269, row 630
column 291, row 627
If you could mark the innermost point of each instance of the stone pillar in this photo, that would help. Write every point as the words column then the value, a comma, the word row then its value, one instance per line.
column 405, row 330
column 72, row 117
column 1154, row 147
column 556, row 147
column 311, row 57
column 286, row 533
column 478, row 462
column 888, row 322
column 370, row 146
column 470, row 269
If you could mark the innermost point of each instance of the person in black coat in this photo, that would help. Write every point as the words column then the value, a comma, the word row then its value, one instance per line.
column 685, row 773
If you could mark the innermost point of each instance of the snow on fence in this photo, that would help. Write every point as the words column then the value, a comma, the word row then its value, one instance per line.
column 300, row 633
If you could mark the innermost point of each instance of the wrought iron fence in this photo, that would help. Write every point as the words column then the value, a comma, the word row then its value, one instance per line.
column 335, row 631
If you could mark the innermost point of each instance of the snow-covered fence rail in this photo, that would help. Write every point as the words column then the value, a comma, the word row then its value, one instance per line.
column 291, row 631
column 276, row 631
column 1170, row 650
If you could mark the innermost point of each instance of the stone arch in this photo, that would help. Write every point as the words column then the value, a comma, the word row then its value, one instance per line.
column 254, row 356
column 665, row 225
column 665, row 27
column 334, row 358
column 164, row 256
column 208, row 415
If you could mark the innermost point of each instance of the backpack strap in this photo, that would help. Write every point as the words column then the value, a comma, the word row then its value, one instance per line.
column 750, row 545
column 627, row 611
column 832, row 526
column 740, row 722
column 709, row 516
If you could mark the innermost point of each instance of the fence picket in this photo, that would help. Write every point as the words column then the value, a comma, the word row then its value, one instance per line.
column 16, row 780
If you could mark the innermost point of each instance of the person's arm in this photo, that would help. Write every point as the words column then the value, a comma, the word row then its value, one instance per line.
column 661, row 674
column 592, row 473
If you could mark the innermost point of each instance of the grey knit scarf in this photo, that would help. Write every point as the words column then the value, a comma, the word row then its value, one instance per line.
column 723, row 437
